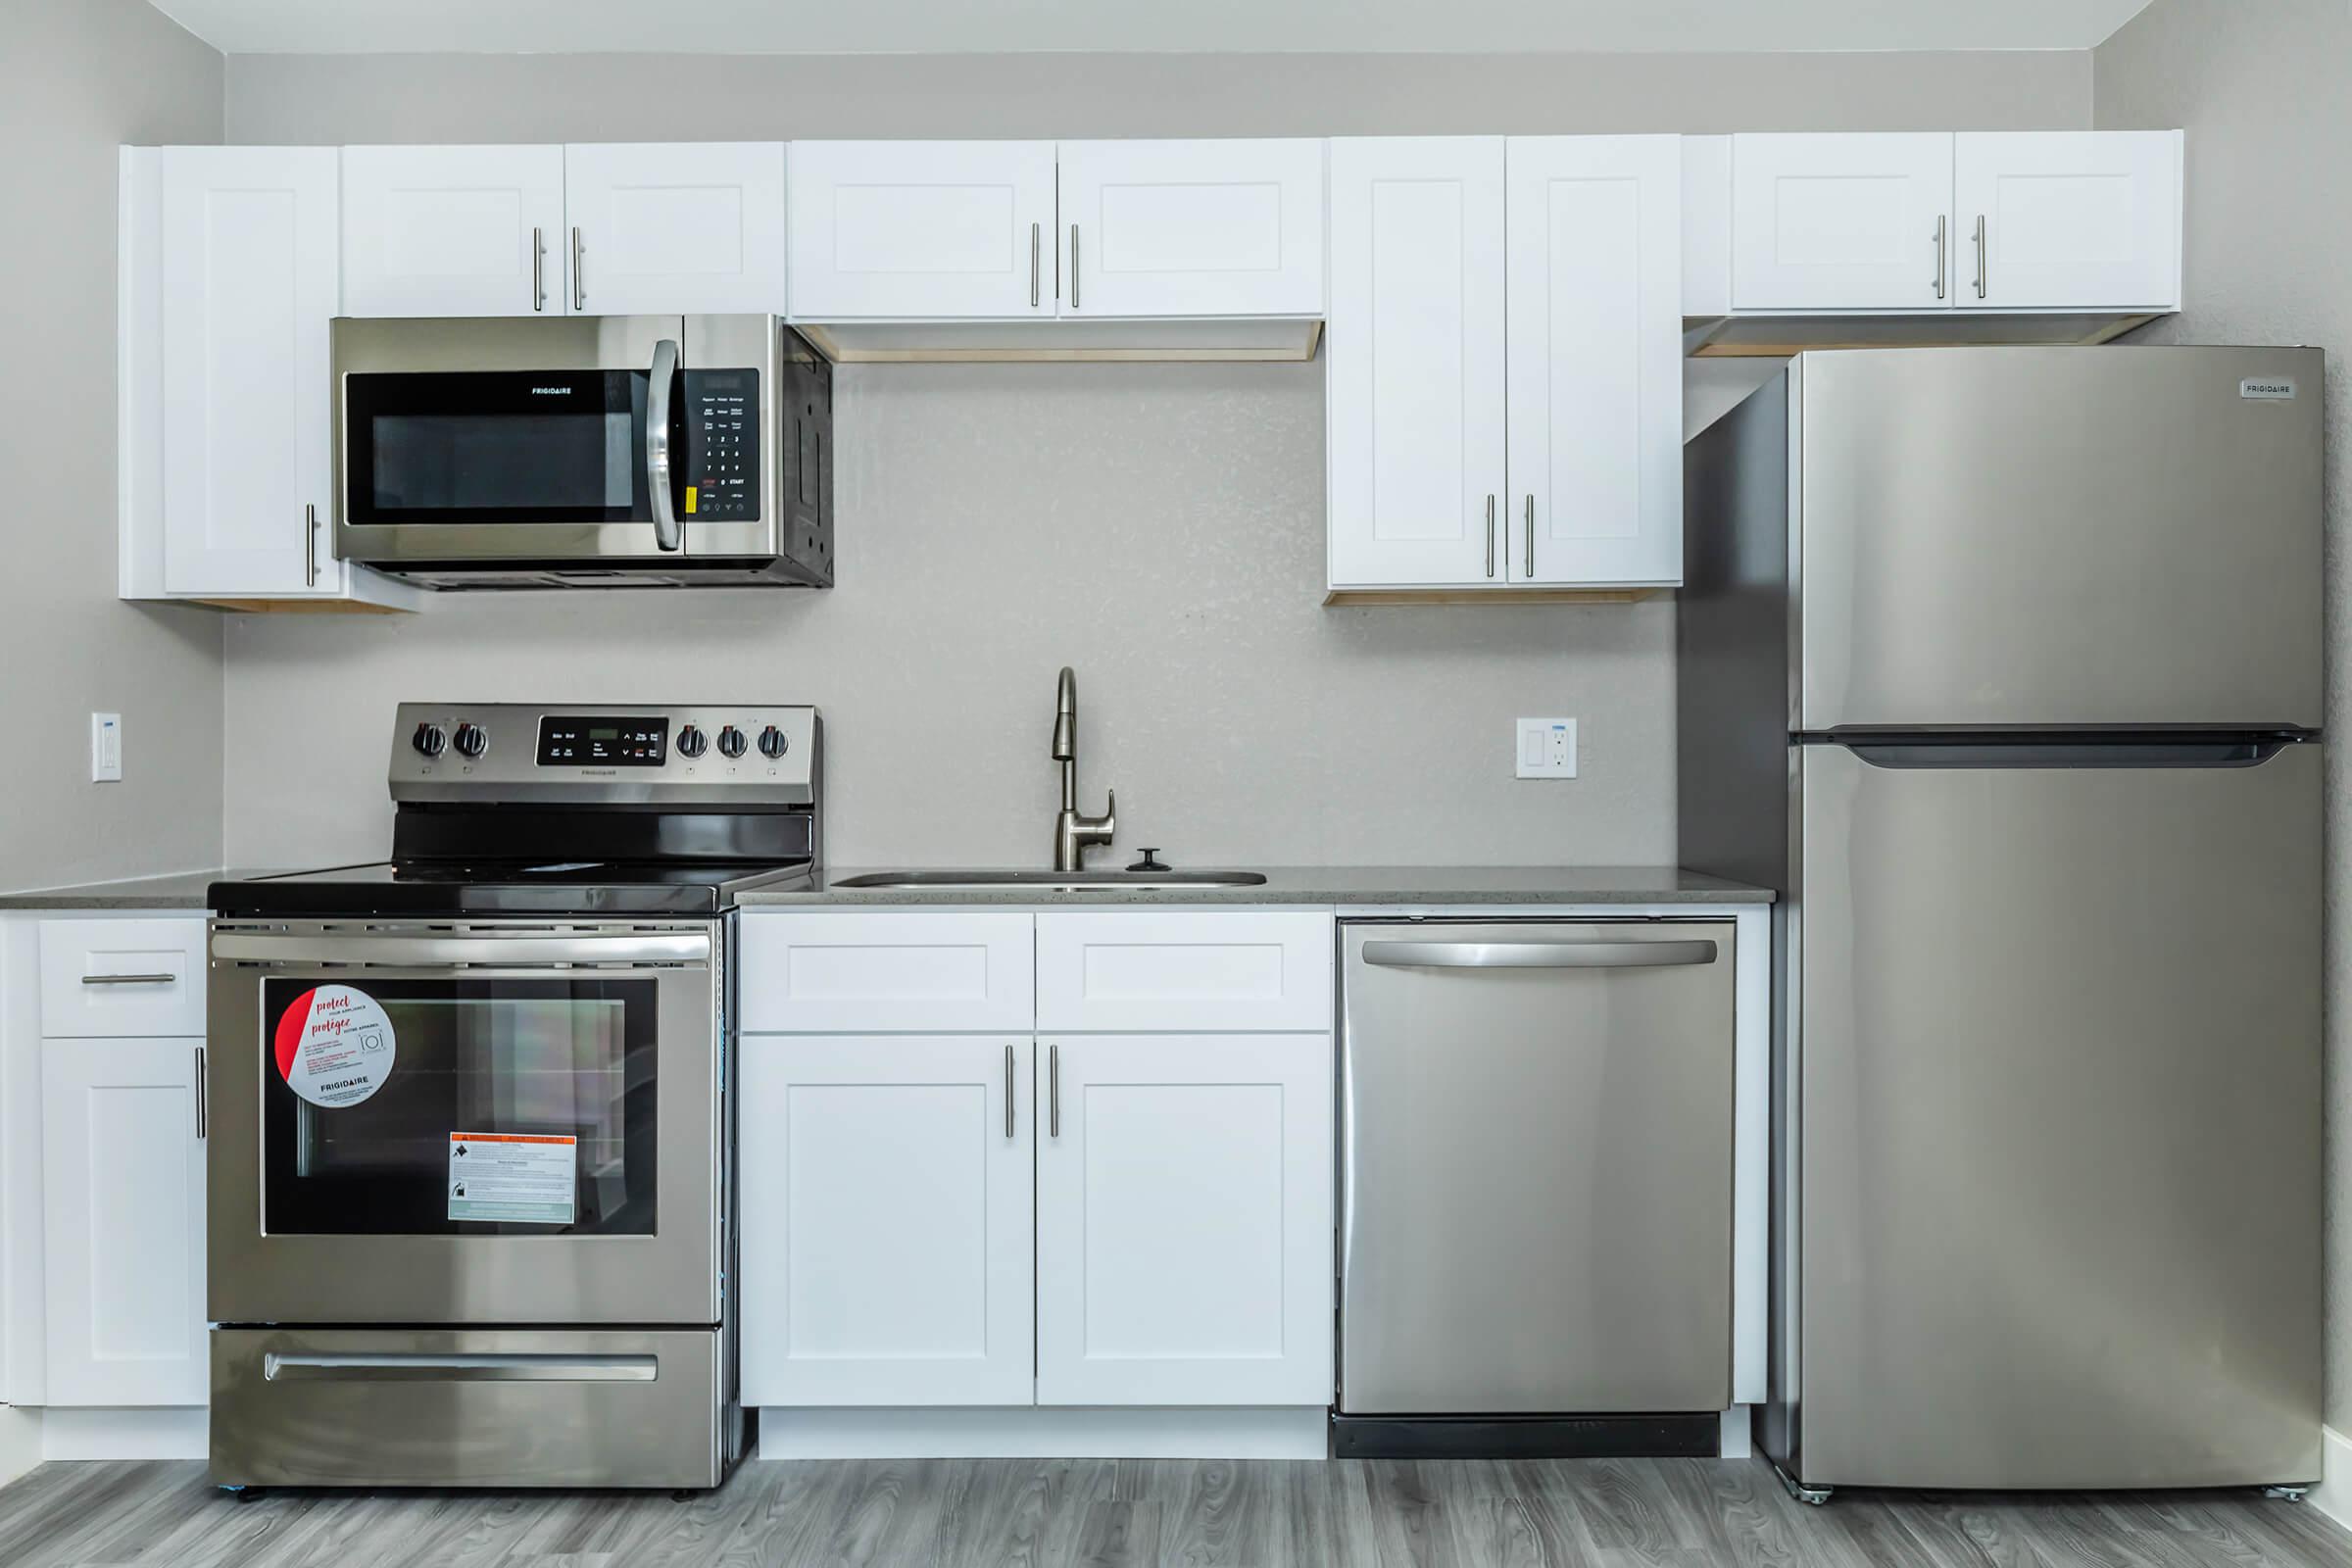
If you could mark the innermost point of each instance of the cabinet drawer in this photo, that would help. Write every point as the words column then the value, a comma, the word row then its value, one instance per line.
column 870, row 973
column 122, row 977
column 1197, row 972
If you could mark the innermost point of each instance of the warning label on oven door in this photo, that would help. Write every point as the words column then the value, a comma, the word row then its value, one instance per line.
column 511, row 1176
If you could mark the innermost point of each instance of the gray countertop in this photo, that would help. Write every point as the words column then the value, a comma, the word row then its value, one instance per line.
column 1330, row 884
column 1294, row 884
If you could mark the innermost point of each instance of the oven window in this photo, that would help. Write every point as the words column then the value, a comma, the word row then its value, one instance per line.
column 539, row 1070
column 496, row 446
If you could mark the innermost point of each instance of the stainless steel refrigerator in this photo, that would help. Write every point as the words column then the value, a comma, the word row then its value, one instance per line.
column 2003, row 665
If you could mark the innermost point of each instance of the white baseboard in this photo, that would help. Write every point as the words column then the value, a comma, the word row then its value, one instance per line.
column 1738, row 1433
column 20, row 1441
column 1040, row 1433
column 126, row 1433
column 2332, row 1497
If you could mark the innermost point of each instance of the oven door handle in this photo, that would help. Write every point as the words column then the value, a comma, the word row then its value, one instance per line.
column 667, row 532
column 646, row 948
column 392, row 1368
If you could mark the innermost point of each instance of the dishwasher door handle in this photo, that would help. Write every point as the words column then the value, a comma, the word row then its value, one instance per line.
column 1537, row 955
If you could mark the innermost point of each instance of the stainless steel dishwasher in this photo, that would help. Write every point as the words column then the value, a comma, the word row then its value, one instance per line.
column 1534, row 1187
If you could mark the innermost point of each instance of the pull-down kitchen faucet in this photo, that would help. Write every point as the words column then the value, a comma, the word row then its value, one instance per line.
column 1073, row 834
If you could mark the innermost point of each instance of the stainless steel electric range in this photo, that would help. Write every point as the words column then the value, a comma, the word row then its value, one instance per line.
column 472, row 1127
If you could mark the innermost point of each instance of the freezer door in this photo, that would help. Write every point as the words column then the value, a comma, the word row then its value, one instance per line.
column 1535, row 1167
column 2061, row 536
column 2058, row 1129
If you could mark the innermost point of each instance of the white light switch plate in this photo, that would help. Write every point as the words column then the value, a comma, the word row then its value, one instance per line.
column 1546, row 748
column 106, row 748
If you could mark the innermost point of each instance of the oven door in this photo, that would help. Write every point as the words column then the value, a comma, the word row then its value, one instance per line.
column 542, row 440
column 472, row 1123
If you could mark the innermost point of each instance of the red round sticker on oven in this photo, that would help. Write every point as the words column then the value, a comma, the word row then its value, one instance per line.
column 334, row 1046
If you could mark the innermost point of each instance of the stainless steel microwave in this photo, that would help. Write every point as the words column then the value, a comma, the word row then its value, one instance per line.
column 584, row 451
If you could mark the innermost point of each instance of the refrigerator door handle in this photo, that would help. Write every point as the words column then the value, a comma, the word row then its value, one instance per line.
column 2242, row 751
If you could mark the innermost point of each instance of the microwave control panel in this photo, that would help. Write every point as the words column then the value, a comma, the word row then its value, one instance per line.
column 723, row 446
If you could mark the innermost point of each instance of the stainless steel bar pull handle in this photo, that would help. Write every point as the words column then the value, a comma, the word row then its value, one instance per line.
column 1942, row 231
column 579, row 280
column 1489, row 536
column 391, row 1368
column 1981, row 266
column 310, row 547
column 538, row 269
column 1036, row 232
column 668, row 534
column 1054, row 1091
column 1528, row 566
column 128, row 979
column 1537, row 955
column 1009, row 1091
column 201, row 1131
column 1073, row 267
column 650, row 947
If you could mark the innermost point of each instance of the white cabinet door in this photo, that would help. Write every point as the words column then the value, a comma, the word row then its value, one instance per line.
column 1414, row 354
column 1595, row 359
column 1184, row 1220
column 659, row 229
column 1166, row 970
column 453, row 231
column 923, row 229
column 250, row 283
column 2066, row 219
column 1191, row 227
column 860, row 971
column 1843, row 221
column 886, row 1222
column 123, row 1222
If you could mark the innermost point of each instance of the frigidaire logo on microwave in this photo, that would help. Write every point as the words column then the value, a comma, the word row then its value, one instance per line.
column 551, row 391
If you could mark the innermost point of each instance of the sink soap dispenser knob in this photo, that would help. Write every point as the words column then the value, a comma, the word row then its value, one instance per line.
column 1149, row 863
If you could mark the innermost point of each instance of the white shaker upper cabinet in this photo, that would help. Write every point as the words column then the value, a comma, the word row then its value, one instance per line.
column 1596, row 270
column 1843, row 221
column 675, row 228
column 2066, row 219
column 453, row 231
column 249, row 284
column 1191, row 227
column 1414, row 353
column 922, row 229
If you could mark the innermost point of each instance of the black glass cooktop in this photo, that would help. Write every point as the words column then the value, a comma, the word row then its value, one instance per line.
column 551, row 887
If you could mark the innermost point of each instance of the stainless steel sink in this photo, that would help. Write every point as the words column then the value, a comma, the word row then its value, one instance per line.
column 1053, row 881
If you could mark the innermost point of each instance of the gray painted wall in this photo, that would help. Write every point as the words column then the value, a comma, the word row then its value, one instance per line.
column 76, row 78
column 1159, row 527
column 2260, row 90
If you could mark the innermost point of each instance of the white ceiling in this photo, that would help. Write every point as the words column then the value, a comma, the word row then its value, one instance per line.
column 956, row 26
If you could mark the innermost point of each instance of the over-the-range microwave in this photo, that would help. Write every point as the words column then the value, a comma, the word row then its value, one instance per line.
column 583, row 451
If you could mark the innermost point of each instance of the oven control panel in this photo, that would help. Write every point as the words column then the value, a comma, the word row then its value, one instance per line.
column 486, row 752
column 723, row 446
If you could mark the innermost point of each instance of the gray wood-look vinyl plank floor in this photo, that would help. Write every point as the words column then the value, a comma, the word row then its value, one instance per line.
column 1005, row 1513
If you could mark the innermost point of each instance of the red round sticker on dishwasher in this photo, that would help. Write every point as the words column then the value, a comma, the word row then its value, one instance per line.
column 334, row 1046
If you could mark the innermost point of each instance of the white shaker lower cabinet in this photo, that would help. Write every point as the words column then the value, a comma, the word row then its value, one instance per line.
column 887, row 1236
column 1184, row 1220
column 122, row 1199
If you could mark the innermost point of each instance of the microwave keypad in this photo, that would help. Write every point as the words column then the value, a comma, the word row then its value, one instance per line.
column 722, row 445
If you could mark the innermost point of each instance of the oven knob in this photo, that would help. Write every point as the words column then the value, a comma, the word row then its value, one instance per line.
column 472, row 741
column 730, row 740
column 772, row 741
column 691, row 742
column 428, row 740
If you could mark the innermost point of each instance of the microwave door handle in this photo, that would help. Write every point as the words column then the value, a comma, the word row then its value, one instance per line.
column 667, row 532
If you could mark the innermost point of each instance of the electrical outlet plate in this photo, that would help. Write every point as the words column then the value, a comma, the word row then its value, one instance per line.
column 1546, row 748
column 106, row 748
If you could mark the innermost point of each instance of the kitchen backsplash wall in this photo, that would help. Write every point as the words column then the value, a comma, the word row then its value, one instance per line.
column 1159, row 527
column 77, row 78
